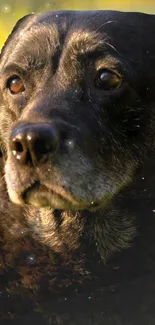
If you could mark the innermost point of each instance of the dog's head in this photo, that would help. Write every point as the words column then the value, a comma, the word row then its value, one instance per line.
column 77, row 113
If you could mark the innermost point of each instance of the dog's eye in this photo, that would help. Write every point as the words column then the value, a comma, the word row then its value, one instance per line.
column 108, row 80
column 15, row 85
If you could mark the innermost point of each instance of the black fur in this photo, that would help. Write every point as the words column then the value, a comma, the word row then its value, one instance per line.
column 86, row 202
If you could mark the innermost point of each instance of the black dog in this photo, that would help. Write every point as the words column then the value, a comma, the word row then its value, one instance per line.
column 77, row 121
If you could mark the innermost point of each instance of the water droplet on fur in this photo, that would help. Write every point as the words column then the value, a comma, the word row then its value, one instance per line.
column 21, row 33
column 70, row 144
column 37, row 217
column 31, row 259
column 116, row 267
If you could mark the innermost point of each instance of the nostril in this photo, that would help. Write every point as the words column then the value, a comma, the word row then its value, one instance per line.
column 41, row 147
column 41, row 142
column 18, row 147
column 18, row 150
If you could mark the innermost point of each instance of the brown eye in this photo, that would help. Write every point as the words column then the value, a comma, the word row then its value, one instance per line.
column 15, row 85
column 108, row 80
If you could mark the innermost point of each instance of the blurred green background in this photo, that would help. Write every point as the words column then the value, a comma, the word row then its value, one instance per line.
column 12, row 10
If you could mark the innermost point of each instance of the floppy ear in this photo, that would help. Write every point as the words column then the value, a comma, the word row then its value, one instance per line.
column 22, row 24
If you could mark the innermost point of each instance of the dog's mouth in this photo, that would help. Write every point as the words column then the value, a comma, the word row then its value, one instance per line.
column 40, row 195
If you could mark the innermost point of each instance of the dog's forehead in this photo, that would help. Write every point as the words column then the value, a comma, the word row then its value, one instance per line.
column 47, row 37
column 81, row 31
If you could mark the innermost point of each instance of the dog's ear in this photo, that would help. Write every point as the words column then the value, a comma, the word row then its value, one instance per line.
column 22, row 24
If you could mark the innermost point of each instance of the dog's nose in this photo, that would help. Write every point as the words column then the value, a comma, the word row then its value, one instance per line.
column 33, row 141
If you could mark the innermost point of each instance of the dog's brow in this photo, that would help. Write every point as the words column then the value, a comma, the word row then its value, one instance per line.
column 12, row 67
column 86, row 42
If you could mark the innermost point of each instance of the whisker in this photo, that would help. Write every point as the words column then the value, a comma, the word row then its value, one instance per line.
column 107, row 22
